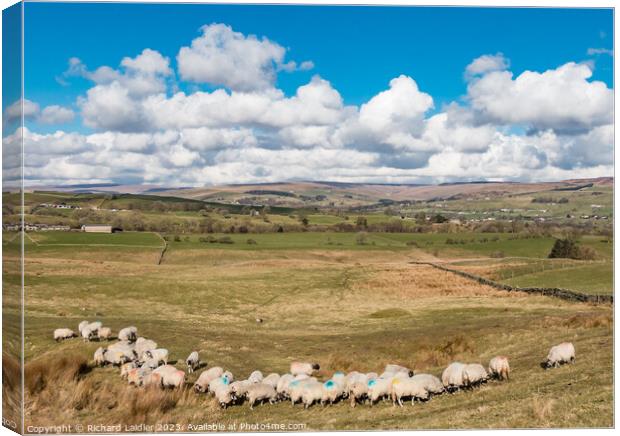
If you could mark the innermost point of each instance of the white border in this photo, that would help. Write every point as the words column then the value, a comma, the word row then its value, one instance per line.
column 479, row 3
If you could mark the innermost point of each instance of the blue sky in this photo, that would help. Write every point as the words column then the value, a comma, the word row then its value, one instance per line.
column 357, row 50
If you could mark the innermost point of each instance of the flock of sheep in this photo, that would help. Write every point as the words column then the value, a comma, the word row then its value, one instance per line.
column 142, row 363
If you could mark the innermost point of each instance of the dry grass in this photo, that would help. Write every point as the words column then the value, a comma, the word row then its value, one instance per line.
column 63, row 369
column 11, row 398
column 345, row 310
column 580, row 321
column 542, row 410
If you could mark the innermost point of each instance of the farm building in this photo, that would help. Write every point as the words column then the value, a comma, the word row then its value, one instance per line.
column 97, row 228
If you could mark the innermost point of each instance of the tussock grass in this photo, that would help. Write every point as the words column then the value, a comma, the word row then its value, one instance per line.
column 62, row 369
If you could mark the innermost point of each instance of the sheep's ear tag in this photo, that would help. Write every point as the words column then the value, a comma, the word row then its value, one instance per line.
column 225, row 380
column 329, row 383
column 372, row 382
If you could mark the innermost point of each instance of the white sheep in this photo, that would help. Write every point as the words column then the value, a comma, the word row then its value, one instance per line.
column 283, row 384
column 403, row 388
column 474, row 374
column 205, row 378
column 452, row 376
column 371, row 376
column 390, row 367
column 218, row 382
column 379, row 388
column 89, row 334
column 126, row 367
column 151, row 379
column 239, row 389
column 142, row 345
column 431, row 383
column 339, row 377
column 224, row 396
column 136, row 376
column 171, row 377
column 229, row 376
column 174, row 379
column 104, row 333
column 62, row 334
column 256, row 377
column 312, row 393
column 99, row 356
column 116, row 357
column 354, row 377
column 128, row 334
column 151, row 364
column 559, row 355
column 295, row 390
column 499, row 368
column 358, row 391
column 260, row 392
column 272, row 379
column 125, row 349
column 304, row 368
column 192, row 361
column 159, row 354
column 82, row 325
column 95, row 325
column 332, row 391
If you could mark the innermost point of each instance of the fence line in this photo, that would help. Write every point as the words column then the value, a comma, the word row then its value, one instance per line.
column 565, row 294
column 163, row 249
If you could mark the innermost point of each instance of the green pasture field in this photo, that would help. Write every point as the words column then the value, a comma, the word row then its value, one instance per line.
column 146, row 239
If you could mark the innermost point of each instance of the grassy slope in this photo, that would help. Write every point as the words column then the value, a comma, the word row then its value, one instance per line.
column 348, row 309
column 592, row 278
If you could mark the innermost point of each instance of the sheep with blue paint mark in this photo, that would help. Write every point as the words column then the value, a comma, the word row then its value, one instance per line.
column 202, row 384
column 332, row 391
